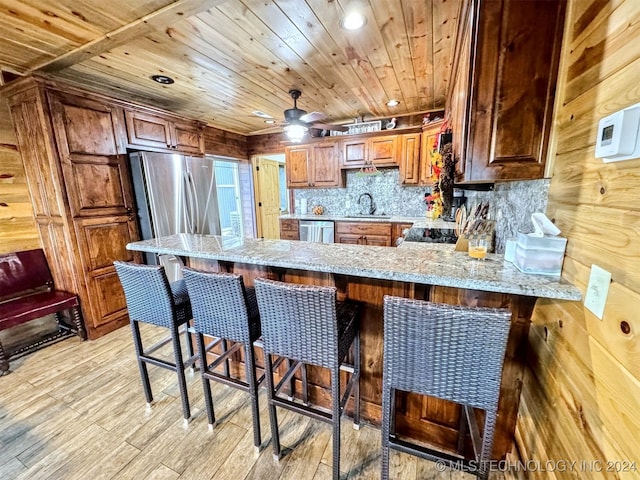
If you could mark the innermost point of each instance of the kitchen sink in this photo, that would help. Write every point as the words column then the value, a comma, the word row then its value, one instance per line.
column 381, row 217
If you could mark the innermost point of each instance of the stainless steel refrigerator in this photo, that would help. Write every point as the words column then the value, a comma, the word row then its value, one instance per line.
column 174, row 194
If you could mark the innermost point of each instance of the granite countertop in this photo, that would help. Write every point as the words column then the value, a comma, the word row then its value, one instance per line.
column 419, row 222
column 424, row 265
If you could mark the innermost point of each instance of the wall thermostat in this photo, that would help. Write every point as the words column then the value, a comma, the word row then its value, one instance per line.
column 619, row 135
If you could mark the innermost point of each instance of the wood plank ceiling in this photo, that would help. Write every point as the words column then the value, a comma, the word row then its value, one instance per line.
column 232, row 57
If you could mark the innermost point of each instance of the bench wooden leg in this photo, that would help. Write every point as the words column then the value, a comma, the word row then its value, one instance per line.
column 4, row 361
column 77, row 320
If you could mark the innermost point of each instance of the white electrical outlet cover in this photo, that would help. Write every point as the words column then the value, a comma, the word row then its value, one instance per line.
column 597, row 291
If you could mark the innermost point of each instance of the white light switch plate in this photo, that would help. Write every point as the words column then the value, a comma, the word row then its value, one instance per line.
column 597, row 290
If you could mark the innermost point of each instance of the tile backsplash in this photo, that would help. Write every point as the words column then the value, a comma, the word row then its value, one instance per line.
column 511, row 203
column 389, row 197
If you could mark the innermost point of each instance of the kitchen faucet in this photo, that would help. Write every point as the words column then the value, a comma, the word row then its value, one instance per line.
column 372, row 206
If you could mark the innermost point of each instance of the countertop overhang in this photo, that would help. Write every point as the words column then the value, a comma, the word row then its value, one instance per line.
column 425, row 265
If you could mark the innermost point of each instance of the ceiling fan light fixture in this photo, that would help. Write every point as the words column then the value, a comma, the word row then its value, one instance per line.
column 393, row 103
column 353, row 20
column 295, row 133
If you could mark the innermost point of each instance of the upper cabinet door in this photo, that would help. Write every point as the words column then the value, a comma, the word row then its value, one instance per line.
column 410, row 159
column 326, row 165
column 297, row 164
column 148, row 130
column 90, row 139
column 354, row 152
column 187, row 138
column 501, row 122
column 383, row 151
column 157, row 132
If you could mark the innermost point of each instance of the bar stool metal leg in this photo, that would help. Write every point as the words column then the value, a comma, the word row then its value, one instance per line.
column 205, row 382
column 144, row 372
column 182, row 382
column 250, row 373
column 335, row 400
column 273, row 416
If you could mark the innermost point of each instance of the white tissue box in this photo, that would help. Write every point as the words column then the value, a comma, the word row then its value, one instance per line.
column 540, row 255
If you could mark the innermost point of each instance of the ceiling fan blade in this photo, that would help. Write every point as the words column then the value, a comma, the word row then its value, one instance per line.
column 327, row 126
column 312, row 117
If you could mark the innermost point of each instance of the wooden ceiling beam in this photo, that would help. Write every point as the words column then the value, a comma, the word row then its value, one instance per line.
column 161, row 18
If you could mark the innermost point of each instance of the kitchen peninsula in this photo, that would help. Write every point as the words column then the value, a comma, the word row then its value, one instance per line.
column 365, row 274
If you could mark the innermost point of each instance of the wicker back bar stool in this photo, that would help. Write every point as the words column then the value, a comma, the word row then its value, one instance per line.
column 224, row 309
column 449, row 352
column 152, row 299
column 306, row 324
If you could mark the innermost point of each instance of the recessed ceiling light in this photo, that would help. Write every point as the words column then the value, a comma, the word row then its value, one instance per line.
column 163, row 79
column 258, row 113
column 393, row 103
column 353, row 20
column 270, row 122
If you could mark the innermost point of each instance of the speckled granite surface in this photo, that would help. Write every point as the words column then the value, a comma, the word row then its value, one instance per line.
column 510, row 203
column 426, row 266
column 418, row 222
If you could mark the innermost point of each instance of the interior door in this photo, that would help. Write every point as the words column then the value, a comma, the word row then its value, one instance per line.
column 267, row 197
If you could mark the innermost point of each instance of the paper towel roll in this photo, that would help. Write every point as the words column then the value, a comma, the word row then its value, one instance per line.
column 303, row 206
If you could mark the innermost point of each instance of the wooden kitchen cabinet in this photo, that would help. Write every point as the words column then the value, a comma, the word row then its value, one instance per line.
column 502, row 87
column 363, row 233
column 416, row 155
column 289, row 229
column 163, row 133
column 397, row 231
column 382, row 151
column 410, row 159
column 313, row 165
column 74, row 150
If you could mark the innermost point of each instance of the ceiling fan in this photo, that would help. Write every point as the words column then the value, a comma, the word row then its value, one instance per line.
column 298, row 121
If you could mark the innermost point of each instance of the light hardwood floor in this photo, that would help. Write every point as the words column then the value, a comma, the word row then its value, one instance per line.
column 76, row 410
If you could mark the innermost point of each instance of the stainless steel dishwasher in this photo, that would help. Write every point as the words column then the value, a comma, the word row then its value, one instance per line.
column 320, row 231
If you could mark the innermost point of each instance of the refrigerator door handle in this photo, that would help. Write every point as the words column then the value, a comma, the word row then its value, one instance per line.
column 188, row 204
column 196, row 204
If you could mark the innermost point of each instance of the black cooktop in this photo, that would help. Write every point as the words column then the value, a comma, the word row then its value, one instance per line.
column 431, row 235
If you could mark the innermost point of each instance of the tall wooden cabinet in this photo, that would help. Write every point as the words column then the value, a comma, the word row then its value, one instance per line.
column 502, row 87
column 74, row 151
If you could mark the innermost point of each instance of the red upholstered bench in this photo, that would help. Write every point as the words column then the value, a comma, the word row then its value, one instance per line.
column 27, row 293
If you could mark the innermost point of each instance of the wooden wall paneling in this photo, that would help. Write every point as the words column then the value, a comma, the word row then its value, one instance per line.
column 602, row 236
column 225, row 144
column 265, row 144
column 578, row 120
column 17, row 226
column 586, row 179
column 619, row 413
column 608, row 37
column 582, row 387
column 560, row 395
column 619, row 329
